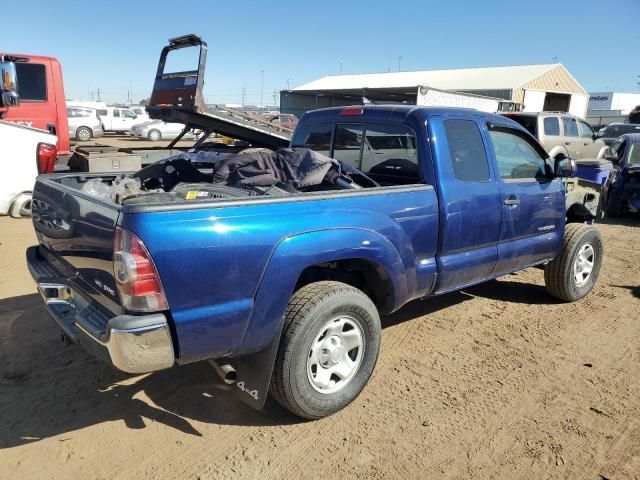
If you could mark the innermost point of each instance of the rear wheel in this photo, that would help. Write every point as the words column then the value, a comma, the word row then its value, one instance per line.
column 573, row 272
column 328, row 350
column 84, row 134
column 154, row 135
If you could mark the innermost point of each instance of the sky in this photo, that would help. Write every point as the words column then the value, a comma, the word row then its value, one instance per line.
column 265, row 46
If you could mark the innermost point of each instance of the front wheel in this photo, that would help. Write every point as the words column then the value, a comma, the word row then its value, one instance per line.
column 574, row 271
column 328, row 350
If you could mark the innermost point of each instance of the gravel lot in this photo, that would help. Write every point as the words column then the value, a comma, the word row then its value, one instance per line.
column 497, row 381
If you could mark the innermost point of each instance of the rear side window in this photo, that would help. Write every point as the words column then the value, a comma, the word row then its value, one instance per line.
column 390, row 150
column 102, row 113
column 570, row 127
column 32, row 81
column 466, row 148
column 116, row 112
column 516, row 158
column 315, row 136
column 551, row 126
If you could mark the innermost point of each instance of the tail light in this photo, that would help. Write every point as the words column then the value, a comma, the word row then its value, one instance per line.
column 136, row 276
column 46, row 157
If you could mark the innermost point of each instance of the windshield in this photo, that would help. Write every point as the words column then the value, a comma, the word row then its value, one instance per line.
column 634, row 155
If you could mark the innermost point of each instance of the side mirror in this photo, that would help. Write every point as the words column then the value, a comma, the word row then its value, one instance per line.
column 8, row 84
column 565, row 167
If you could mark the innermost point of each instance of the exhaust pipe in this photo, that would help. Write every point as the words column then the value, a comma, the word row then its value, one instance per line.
column 227, row 373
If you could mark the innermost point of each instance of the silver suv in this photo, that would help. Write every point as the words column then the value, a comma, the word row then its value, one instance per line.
column 84, row 123
column 561, row 134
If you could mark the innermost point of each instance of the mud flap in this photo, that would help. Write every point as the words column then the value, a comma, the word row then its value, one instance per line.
column 253, row 373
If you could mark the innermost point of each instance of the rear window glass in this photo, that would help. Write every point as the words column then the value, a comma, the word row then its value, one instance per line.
column 348, row 143
column 551, row 126
column 529, row 122
column 390, row 151
column 32, row 81
column 315, row 136
column 466, row 148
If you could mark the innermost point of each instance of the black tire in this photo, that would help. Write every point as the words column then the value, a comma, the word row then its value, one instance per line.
column 310, row 311
column 84, row 134
column 154, row 135
column 614, row 206
column 559, row 275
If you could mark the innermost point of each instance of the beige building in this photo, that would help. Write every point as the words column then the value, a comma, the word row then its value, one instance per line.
column 531, row 88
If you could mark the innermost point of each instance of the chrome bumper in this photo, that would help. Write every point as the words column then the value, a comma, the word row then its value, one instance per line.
column 131, row 343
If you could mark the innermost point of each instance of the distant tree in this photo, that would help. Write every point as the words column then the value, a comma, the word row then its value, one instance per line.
column 144, row 101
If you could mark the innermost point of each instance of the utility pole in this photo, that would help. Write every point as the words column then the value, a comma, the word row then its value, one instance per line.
column 274, row 96
column 261, row 88
column 389, row 63
column 341, row 65
column 244, row 94
column 98, row 95
column 399, row 63
column 288, row 87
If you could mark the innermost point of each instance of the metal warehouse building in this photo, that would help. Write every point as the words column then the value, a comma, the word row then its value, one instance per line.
column 530, row 88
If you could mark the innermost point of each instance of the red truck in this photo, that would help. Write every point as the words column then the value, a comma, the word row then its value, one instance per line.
column 38, row 84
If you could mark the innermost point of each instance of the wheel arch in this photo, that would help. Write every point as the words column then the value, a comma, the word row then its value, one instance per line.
column 301, row 259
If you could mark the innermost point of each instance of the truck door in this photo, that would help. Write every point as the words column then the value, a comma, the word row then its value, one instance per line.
column 533, row 207
column 470, row 203
column 590, row 145
column 571, row 139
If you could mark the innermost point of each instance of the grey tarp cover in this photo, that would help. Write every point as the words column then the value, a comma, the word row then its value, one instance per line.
column 296, row 167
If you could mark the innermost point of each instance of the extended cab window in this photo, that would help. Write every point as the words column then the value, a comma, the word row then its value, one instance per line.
column 32, row 81
column 315, row 136
column 468, row 156
column 390, row 151
column 516, row 158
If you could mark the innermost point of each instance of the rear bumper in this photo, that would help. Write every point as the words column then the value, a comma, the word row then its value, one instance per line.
column 131, row 343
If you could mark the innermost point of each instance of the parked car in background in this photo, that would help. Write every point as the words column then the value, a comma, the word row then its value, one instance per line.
column 31, row 151
column 155, row 130
column 84, row 124
column 611, row 132
column 561, row 134
column 140, row 111
column 286, row 120
column 117, row 119
column 621, row 192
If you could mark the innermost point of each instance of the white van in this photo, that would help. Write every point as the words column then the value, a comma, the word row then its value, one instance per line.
column 117, row 119
column 140, row 111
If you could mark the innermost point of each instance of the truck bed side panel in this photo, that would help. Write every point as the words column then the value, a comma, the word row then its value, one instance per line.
column 211, row 261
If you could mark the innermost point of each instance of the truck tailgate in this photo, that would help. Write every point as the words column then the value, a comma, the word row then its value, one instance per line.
column 76, row 232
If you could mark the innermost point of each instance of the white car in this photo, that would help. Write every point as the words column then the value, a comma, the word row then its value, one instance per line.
column 31, row 152
column 155, row 130
column 117, row 119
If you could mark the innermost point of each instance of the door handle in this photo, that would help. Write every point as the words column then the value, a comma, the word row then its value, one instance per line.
column 512, row 201
column 567, row 143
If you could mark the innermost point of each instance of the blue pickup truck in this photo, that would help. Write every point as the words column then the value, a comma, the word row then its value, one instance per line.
column 282, row 286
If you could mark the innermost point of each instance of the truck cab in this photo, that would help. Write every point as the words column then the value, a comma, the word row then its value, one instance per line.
column 40, row 89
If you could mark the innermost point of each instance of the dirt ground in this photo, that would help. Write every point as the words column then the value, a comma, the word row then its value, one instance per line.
column 497, row 381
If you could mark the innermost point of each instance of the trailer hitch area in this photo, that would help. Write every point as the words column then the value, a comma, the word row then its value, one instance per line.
column 249, row 376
